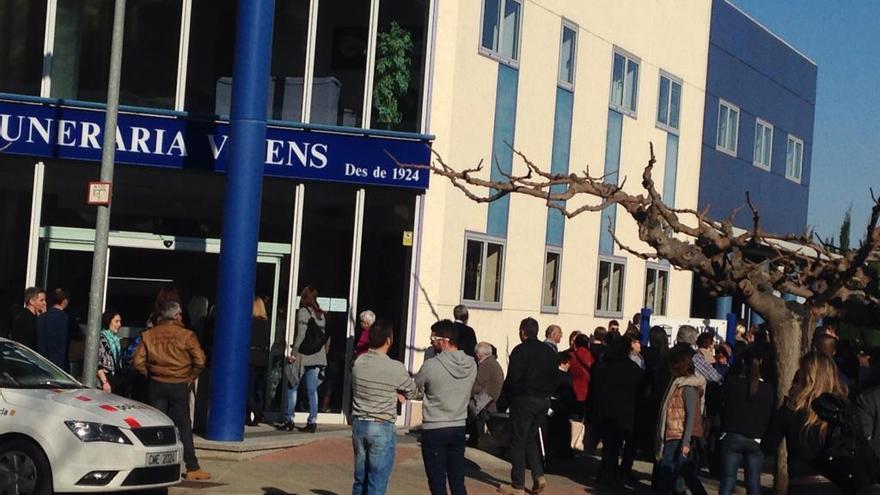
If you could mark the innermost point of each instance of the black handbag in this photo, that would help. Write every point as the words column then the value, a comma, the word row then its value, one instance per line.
column 314, row 339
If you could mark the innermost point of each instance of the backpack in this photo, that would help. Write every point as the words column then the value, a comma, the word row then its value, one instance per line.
column 846, row 458
column 314, row 339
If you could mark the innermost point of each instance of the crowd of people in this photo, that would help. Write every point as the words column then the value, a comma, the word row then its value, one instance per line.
column 166, row 380
column 698, row 404
column 695, row 408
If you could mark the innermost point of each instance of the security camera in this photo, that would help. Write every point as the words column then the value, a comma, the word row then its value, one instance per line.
column 168, row 243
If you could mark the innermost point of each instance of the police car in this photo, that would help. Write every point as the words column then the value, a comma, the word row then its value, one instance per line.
column 57, row 435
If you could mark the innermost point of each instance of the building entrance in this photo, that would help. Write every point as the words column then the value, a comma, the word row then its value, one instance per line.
column 140, row 265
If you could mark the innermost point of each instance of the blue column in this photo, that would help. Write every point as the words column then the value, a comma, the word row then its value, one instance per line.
column 756, row 318
column 241, row 220
column 723, row 305
column 730, row 338
column 645, row 325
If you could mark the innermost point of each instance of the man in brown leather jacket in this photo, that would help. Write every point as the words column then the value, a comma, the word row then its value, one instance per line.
column 171, row 357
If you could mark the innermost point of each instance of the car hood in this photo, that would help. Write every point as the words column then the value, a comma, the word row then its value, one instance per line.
column 85, row 405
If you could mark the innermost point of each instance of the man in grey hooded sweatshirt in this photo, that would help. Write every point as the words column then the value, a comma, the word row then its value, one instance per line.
column 446, row 382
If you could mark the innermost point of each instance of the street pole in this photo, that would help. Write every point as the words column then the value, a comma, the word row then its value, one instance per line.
column 102, row 224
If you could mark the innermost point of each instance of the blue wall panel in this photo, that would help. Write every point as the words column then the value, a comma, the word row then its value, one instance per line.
column 502, row 145
column 613, row 137
column 559, row 161
column 670, row 171
column 754, row 70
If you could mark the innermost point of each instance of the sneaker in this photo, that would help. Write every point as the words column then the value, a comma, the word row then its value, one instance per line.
column 287, row 426
column 309, row 428
column 511, row 490
column 197, row 475
column 539, row 485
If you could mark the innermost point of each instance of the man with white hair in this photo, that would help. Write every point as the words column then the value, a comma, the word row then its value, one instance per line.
column 553, row 336
column 486, row 390
column 175, row 360
column 467, row 338
column 365, row 320
column 687, row 335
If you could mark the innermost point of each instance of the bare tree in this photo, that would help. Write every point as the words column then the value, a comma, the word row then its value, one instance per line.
column 750, row 263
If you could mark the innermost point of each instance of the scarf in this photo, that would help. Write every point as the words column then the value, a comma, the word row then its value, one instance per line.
column 114, row 342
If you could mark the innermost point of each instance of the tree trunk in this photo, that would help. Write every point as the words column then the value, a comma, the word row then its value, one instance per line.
column 786, row 329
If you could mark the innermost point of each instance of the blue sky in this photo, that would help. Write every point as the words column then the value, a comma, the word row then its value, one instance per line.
column 843, row 38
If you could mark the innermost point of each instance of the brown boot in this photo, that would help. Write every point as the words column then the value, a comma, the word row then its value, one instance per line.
column 539, row 485
column 511, row 490
column 197, row 475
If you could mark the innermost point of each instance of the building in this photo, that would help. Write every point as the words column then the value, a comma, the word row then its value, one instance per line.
column 758, row 131
column 337, row 211
column 572, row 85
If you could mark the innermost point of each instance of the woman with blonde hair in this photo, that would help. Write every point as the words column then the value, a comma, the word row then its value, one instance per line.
column 804, row 432
column 259, row 363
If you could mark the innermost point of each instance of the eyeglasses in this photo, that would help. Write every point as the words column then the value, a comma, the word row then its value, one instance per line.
column 435, row 338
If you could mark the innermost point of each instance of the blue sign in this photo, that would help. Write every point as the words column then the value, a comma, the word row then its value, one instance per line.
column 55, row 131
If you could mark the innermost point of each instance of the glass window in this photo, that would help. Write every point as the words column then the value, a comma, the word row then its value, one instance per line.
column 400, row 64
column 340, row 63
column 728, row 127
column 22, row 28
column 290, row 37
column 491, row 14
column 483, row 271
column 211, row 53
column 16, row 186
column 763, row 144
column 669, row 103
column 609, row 290
column 794, row 158
column 624, row 84
column 567, row 54
column 656, row 289
column 550, row 292
column 81, row 60
column 501, row 25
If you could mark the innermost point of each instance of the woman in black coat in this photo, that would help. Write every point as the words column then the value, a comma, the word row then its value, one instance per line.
column 615, row 388
column 259, row 363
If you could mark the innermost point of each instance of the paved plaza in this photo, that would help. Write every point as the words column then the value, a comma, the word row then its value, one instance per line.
column 324, row 467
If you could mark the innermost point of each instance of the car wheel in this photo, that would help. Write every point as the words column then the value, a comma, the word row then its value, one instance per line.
column 24, row 468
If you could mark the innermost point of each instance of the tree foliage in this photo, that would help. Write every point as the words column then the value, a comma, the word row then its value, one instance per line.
column 393, row 62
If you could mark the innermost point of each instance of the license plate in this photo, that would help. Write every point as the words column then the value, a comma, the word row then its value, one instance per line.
column 161, row 458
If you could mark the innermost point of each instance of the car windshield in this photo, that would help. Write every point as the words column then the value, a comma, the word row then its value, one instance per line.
column 21, row 367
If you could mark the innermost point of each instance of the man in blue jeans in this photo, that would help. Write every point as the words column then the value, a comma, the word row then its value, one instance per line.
column 377, row 383
column 446, row 381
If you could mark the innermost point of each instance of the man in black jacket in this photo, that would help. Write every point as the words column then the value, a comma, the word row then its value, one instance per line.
column 24, row 325
column 531, row 380
column 467, row 338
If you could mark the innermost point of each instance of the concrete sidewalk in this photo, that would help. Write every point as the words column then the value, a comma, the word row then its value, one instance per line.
column 322, row 465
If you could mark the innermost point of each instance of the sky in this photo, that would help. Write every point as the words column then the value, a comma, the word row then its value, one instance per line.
column 843, row 38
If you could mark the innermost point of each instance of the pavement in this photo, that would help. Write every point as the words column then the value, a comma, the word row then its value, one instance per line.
column 322, row 464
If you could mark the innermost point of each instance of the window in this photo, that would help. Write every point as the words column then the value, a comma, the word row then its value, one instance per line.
column 609, row 291
column 728, row 128
column 550, row 292
column 81, row 56
column 501, row 23
column 669, row 103
column 483, row 270
column 567, row 55
column 656, row 289
column 624, row 83
column 794, row 159
column 763, row 144
column 21, row 46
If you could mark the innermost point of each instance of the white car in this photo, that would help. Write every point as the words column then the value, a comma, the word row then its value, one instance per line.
column 57, row 435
